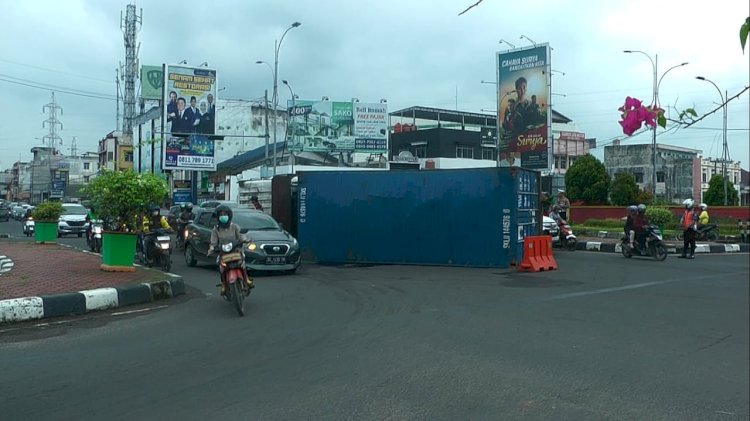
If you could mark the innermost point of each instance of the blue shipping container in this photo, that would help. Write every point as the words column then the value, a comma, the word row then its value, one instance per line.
column 463, row 217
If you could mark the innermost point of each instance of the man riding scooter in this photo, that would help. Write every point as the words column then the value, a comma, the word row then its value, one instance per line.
column 153, row 221
column 186, row 216
column 638, row 226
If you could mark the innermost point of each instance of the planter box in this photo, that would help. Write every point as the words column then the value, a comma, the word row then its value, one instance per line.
column 118, row 251
column 45, row 232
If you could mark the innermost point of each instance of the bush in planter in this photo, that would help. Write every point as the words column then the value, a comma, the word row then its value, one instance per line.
column 119, row 196
column 659, row 216
column 48, row 212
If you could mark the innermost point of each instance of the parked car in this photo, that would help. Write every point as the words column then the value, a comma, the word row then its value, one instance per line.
column 271, row 247
column 5, row 213
column 73, row 220
column 216, row 203
column 550, row 228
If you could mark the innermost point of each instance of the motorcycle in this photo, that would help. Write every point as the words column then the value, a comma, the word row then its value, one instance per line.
column 566, row 237
column 708, row 232
column 182, row 233
column 28, row 227
column 232, row 262
column 158, row 250
column 94, row 235
column 652, row 245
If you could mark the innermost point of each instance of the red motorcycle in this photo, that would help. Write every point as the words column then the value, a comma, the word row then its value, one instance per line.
column 232, row 262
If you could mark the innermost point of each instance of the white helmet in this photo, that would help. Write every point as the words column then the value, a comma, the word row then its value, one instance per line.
column 688, row 203
column 704, row 206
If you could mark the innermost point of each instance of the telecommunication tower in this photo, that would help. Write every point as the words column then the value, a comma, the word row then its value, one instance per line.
column 130, row 26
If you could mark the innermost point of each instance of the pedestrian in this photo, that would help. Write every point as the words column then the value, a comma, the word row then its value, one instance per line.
column 688, row 222
column 256, row 204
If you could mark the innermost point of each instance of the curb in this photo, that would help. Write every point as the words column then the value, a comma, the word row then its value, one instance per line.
column 76, row 303
column 671, row 248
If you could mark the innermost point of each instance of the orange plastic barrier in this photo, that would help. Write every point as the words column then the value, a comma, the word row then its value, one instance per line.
column 537, row 254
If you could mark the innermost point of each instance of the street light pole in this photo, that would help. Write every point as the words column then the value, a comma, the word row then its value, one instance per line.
column 289, row 123
column 276, row 48
column 655, row 103
column 724, row 135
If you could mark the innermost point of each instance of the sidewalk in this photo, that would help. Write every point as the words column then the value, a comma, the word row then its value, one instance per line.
column 612, row 245
column 49, row 280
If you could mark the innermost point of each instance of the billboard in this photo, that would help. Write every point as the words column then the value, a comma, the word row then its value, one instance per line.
column 189, row 118
column 152, row 79
column 523, row 107
column 336, row 126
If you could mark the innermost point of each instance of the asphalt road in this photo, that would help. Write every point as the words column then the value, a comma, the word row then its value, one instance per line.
column 603, row 337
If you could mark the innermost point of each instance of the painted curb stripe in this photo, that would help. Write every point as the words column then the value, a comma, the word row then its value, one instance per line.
column 100, row 298
column 593, row 245
column 133, row 294
column 63, row 304
column 20, row 309
column 178, row 287
column 731, row 248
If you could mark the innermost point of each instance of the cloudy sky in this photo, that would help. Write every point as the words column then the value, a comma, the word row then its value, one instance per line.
column 416, row 52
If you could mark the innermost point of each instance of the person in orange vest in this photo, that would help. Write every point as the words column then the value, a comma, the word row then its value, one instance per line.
column 689, row 223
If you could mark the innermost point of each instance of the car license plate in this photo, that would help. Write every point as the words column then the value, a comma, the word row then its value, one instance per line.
column 275, row 260
column 162, row 238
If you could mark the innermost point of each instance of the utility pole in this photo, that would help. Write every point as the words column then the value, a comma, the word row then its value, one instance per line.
column 52, row 138
column 725, row 153
column 267, row 134
column 73, row 148
column 130, row 25
column 117, row 83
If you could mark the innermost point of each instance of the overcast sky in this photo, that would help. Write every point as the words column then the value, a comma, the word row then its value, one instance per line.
column 416, row 52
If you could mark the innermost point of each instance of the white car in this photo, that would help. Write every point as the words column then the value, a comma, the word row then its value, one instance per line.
column 73, row 220
column 549, row 227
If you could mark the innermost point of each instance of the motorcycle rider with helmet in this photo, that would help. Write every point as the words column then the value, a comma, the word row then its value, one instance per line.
column 224, row 232
column 703, row 216
column 629, row 231
column 688, row 222
column 186, row 215
column 151, row 222
column 639, row 224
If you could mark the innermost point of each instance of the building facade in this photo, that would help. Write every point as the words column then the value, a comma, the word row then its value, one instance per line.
column 712, row 166
column 116, row 152
column 677, row 169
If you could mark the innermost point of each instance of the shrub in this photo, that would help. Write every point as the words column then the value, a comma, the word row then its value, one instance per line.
column 659, row 216
column 48, row 211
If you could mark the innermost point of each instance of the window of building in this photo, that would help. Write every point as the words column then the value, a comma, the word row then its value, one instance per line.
column 660, row 177
column 704, row 177
column 86, row 178
column 638, row 177
column 463, row 151
column 110, row 156
column 420, row 151
column 561, row 162
column 488, row 153
column 128, row 156
column 86, row 166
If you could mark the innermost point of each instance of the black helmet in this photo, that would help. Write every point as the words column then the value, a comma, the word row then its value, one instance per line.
column 154, row 209
column 189, row 207
column 253, row 198
column 224, row 209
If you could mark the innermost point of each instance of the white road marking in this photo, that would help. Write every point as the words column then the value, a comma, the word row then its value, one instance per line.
column 141, row 310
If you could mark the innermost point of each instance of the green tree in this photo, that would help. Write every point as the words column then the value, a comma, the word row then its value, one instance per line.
column 714, row 196
column 624, row 191
column 645, row 197
column 587, row 181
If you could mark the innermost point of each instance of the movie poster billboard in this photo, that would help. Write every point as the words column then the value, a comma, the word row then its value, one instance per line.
column 337, row 126
column 189, row 118
column 523, row 107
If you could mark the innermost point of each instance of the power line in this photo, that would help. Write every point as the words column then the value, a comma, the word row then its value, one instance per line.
column 59, row 90
column 53, row 70
column 49, row 85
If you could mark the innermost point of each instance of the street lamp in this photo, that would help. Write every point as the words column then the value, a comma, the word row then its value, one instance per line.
column 504, row 41
column 529, row 39
column 276, row 48
column 289, row 122
column 655, row 103
column 724, row 134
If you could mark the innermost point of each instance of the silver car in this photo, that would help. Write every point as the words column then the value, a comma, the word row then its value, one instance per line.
column 73, row 220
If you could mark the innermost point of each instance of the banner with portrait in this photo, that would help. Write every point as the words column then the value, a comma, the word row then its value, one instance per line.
column 189, row 117
column 523, row 107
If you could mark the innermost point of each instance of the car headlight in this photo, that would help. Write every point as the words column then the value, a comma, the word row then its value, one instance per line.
column 252, row 246
column 294, row 242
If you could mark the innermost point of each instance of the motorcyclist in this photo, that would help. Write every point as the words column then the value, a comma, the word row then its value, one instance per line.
column 151, row 222
column 256, row 203
column 186, row 216
column 703, row 217
column 90, row 218
column 226, row 231
column 639, row 224
column 629, row 231
column 554, row 213
column 688, row 222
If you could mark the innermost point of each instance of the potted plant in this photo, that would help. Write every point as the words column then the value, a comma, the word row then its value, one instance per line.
column 45, row 217
column 118, row 199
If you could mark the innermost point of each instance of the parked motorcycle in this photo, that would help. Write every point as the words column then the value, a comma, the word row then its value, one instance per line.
column 232, row 261
column 652, row 245
column 708, row 232
column 566, row 238
column 94, row 235
column 158, row 250
column 28, row 227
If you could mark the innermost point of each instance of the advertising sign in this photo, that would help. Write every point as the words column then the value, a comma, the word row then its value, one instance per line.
column 152, row 79
column 183, row 191
column 189, row 116
column 523, row 107
column 333, row 126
